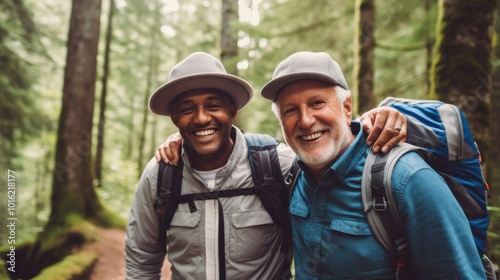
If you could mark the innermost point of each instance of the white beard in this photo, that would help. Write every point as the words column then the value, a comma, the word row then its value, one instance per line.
column 331, row 152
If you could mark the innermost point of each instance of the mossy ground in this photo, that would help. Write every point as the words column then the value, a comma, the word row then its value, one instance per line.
column 62, row 252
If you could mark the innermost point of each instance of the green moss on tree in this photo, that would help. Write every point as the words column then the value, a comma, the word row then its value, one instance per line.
column 461, row 71
column 3, row 270
column 77, row 266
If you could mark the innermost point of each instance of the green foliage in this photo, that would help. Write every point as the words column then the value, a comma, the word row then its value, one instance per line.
column 286, row 27
column 139, row 65
column 290, row 26
column 3, row 270
column 118, row 186
column 19, row 117
column 263, row 120
column 401, row 56
column 494, row 234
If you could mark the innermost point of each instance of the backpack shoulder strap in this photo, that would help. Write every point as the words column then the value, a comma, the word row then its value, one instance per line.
column 168, row 191
column 378, row 201
column 267, row 175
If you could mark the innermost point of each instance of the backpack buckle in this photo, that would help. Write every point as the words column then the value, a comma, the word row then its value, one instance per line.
column 379, row 203
column 158, row 202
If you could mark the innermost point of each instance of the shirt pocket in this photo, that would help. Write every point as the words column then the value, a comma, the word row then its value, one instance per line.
column 251, row 235
column 355, row 239
column 184, row 235
column 299, row 209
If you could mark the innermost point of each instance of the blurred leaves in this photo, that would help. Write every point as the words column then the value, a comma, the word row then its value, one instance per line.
column 19, row 114
column 494, row 233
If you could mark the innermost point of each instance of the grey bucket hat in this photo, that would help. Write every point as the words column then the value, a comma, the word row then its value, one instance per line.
column 199, row 70
column 304, row 65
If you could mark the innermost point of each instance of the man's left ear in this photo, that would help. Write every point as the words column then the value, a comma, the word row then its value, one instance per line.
column 348, row 108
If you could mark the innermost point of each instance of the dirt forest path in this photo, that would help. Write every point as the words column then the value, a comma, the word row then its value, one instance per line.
column 111, row 262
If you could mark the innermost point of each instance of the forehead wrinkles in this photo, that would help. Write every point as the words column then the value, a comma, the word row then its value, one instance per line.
column 306, row 98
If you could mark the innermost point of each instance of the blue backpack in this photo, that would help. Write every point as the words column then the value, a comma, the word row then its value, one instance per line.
column 440, row 133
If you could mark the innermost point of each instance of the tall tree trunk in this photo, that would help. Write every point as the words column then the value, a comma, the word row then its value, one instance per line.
column 73, row 194
column 462, row 67
column 104, row 93
column 72, row 188
column 229, row 36
column 364, row 55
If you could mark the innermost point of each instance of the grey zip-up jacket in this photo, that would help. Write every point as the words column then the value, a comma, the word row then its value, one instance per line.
column 252, row 240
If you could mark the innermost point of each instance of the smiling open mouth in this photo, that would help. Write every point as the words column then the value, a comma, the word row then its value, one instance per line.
column 205, row 132
column 313, row 136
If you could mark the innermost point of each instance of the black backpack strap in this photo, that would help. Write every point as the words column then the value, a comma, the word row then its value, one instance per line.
column 268, row 177
column 168, row 191
column 190, row 198
column 270, row 185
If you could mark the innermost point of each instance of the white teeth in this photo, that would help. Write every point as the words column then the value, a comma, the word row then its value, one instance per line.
column 312, row 136
column 205, row 132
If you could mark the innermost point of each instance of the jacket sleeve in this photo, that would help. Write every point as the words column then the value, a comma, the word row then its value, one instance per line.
column 143, row 254
column 440, row 240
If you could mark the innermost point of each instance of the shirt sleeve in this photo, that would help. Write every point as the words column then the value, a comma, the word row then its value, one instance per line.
column 440, row 240
column 143, row 254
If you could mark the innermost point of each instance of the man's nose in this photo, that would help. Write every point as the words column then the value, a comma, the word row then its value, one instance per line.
column 201, row 116
column 306, row 119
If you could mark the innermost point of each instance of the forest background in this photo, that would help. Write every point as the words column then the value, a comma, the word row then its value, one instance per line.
column 76, row 76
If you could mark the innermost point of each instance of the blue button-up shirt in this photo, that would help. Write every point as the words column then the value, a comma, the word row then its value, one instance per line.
column 332, row 237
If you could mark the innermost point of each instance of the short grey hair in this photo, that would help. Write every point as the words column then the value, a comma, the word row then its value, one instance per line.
column 341, row 93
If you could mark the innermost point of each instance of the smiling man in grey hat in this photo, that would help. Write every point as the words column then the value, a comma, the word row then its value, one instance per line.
column 331, row 234
column 220, row 237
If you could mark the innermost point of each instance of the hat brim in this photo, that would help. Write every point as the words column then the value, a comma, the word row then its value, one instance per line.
column 272, row 88
column 238, row 89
